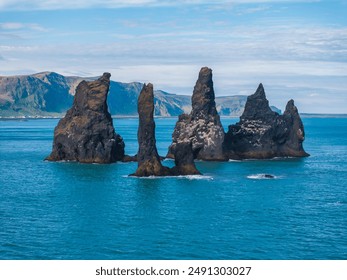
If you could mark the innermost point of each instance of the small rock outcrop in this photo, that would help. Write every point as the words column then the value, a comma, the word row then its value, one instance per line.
column 202, row 127
column 262, row 133
column 184, row 160
column 86, row 133
column 149, row 161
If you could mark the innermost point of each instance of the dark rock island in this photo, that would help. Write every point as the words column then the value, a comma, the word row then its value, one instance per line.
column 149, row 161
column 262, row 133
column 86, row 133
column 202, row 127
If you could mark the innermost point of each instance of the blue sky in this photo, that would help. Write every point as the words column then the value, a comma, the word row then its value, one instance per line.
column 297, row 49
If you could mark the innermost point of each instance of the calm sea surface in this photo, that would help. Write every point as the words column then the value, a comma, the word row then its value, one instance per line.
column 79, row 211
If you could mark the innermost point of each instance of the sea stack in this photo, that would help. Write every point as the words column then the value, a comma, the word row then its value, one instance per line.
column 262, row 133
column 86, row 133
column 202, row 127
column 147, row 157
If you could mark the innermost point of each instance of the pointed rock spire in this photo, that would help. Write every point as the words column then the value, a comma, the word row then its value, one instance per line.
column 147, row 157
column 202, row 127
column 257, row 106
column 203, row 98
column 296, row 132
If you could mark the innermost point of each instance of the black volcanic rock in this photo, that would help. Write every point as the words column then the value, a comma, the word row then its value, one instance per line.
column 202, row 127
column 147, row 157
column 262, row 133
column 184, row 160
column 149, row 161
column 86, row 133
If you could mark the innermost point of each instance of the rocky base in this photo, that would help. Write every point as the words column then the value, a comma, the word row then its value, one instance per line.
column 184, row 160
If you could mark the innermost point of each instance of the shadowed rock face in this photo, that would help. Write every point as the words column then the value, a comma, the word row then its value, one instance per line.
column 184, row 160
column 149, row 161
column 86, row 133
column 262, row 133
column 202, row 127
column 147, row 157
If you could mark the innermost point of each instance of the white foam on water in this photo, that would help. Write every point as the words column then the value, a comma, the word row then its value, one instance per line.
column 337, row 203
column 263, row 176
column 196, row 177
column 189, row 177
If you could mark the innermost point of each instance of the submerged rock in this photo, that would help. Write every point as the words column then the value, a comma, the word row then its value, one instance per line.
column 86, row 133
column 262, row 133
column 149, row 161
column 202, row 127
column 147, row 157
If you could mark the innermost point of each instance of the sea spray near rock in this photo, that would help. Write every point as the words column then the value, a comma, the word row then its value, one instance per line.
column 86, row 133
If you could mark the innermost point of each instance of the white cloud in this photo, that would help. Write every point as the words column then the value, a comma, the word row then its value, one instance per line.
column 80, row 4
column 294, row 60
column 13, row 26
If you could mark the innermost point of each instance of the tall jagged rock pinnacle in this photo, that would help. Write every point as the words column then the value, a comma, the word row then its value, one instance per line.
column 262, row 133
column 86, row 133
column 147, row 157
column 202, row 127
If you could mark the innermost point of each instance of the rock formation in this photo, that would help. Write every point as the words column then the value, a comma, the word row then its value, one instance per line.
column 86, row 133
column 184, row 160
column 149, row 161
column 262, row 133
column 147, row 157
column 202, row 127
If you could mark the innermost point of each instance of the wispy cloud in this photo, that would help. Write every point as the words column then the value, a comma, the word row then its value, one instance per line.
column 80, row 4
column 12, row 26
column 295, row 54
column 253, row 10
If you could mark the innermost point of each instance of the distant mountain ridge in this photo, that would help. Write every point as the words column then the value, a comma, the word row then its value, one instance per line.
column 49, row 94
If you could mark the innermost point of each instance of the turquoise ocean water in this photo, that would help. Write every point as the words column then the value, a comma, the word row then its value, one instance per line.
column 79, row 211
